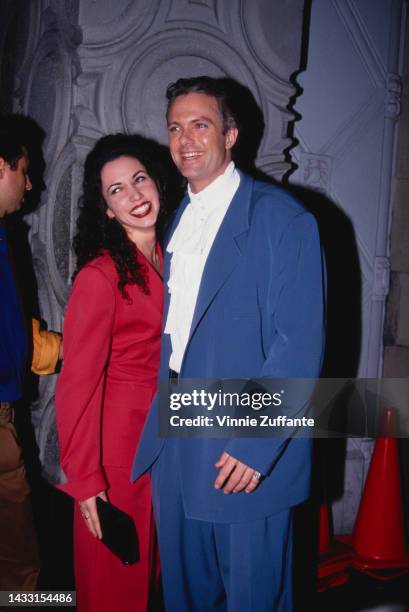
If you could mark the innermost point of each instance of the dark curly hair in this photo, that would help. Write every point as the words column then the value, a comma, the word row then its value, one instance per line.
column 95, row 231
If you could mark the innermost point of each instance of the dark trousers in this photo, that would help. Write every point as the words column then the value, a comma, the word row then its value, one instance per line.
column 19, row 563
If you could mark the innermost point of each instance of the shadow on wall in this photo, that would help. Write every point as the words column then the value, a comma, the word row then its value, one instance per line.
column 344, row 326
column 8, row 55
column 344, row 291
column 342, row 354
column 337, row 238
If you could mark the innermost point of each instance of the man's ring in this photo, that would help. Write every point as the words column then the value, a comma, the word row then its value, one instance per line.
column 257, row 475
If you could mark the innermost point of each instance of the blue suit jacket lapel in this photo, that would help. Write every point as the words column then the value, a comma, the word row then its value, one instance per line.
column 226, row 250
column 166, row 344
column 223, row 258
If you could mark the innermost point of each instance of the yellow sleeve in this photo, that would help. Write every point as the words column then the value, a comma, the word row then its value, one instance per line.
column 46, row 347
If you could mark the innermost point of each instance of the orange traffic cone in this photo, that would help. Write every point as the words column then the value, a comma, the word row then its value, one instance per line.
column 334, row 556
column 325, row 532
column 379, row 533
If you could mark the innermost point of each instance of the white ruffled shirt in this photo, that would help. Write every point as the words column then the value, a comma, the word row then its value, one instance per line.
column 190, row 246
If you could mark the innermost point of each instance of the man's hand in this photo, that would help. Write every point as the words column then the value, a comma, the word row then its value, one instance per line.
column 89, row 513
column 235, row 476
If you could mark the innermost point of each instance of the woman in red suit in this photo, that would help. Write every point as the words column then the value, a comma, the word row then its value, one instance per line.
column 111, row 358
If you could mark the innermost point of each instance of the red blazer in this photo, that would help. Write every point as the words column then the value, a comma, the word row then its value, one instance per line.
column 109, row 374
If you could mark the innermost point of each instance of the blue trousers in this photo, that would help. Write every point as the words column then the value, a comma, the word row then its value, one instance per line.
column 226, row 567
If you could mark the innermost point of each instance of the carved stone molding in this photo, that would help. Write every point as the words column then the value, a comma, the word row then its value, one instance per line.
column 381, row 280
column 209, row 3
column 273, row 165
column 393, row 96
column 123, row 80
column 262, row 24
column 162, row 59
column 354, row 24
column 112, row 25
column 43, row 418
column 30, row 23
column 97, row 66
column 67, row 15
column 46, row 297
column 316, row 171
column 27, row 34
column 189, row 12
column 89, row 101
column 48, row 94
column 59, row 222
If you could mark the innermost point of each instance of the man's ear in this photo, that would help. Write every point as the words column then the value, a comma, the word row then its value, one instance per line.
column 231, row 137
column 2, row 166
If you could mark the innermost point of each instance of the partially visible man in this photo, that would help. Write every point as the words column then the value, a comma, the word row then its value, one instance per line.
column 245, row 300
column 19, row 563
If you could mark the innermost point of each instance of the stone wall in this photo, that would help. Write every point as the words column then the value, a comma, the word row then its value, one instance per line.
column 84, row 68
column 396, row 337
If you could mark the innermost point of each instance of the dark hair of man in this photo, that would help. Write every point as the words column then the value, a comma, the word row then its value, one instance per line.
column 205, row 85
column 96, row 232
column 11, row 147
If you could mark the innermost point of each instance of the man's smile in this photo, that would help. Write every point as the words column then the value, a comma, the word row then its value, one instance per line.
column 190, row 154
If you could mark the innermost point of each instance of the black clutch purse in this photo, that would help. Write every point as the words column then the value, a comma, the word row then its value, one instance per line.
column 118, row 532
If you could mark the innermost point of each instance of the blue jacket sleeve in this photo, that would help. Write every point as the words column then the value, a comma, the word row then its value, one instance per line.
column 297, row 345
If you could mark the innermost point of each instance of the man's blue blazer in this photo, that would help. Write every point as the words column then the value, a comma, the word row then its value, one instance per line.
column 259, row 314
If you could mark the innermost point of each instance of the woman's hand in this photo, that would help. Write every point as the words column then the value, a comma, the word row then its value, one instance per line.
column 88, row 508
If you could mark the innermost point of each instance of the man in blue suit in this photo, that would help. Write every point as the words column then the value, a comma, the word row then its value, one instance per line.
column 244, row 298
